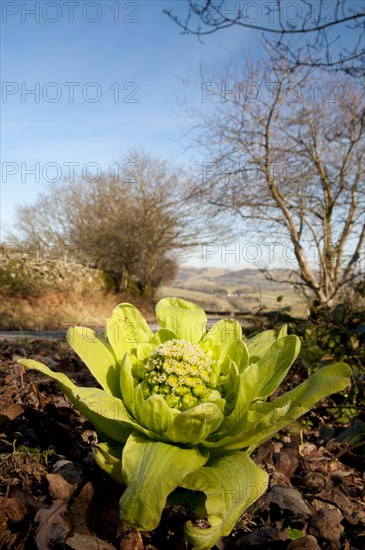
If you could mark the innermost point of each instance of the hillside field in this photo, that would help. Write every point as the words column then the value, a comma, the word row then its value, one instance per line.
column 225, row 290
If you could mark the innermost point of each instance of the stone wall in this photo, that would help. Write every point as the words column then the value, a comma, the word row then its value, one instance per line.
column 37, row 273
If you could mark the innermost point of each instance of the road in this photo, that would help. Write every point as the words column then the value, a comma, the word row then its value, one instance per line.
column 58, row 334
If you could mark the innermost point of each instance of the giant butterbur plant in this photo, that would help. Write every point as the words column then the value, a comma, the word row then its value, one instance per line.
column 181, row 411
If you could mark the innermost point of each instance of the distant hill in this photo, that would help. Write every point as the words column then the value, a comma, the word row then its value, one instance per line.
column 220, row 289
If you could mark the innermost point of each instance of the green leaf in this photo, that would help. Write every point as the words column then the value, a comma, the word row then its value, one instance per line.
column 107, row 413
column 152, row 471
column 127, row 385
column 224, row 340
column 329, row 379
column 109, row 458
column 246, row 394
column 265, row 419
column 126, row 329
column 295, row 534
column 231, row 386
column 231, row 484
column 156, row 415
column 282, row 332
column 222, row 335
column 138, row 401
column 185, row 319
column 139, row 357
column 143, row 351
column 161, row 336
column 194, row 425
column 98, row 356
column 242, row 356
column 275, row 363
column 259, row 344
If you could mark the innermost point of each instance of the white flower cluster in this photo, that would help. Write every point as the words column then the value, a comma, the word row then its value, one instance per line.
column 181, row 372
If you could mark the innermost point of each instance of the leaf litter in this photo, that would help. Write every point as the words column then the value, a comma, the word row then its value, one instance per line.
column 52, row 495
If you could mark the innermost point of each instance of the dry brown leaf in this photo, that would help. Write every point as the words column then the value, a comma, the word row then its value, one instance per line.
column 337, row 498
column 131, row 541
column 80, row 541
column 288, row 498
column 304, row 543
column 262, row 538
column 58, row 487
column 327, row 524
column 14, row 510
column 54, row 525
column 64, row 480
column 10, row 411
column 287, row 460
column 80, row 508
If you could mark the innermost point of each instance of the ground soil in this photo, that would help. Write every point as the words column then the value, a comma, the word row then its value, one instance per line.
column 52, row 495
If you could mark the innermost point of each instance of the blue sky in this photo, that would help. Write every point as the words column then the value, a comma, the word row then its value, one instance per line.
column 110, row 47
column 132, row 49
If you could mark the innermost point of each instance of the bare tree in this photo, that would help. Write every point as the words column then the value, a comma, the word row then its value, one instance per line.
column 291, row 165
column 130, row 226
column 306, row 33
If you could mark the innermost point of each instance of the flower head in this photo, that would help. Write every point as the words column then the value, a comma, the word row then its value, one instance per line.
column 181, row 372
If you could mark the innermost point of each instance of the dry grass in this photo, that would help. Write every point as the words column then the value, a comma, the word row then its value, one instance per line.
column 63, row 309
